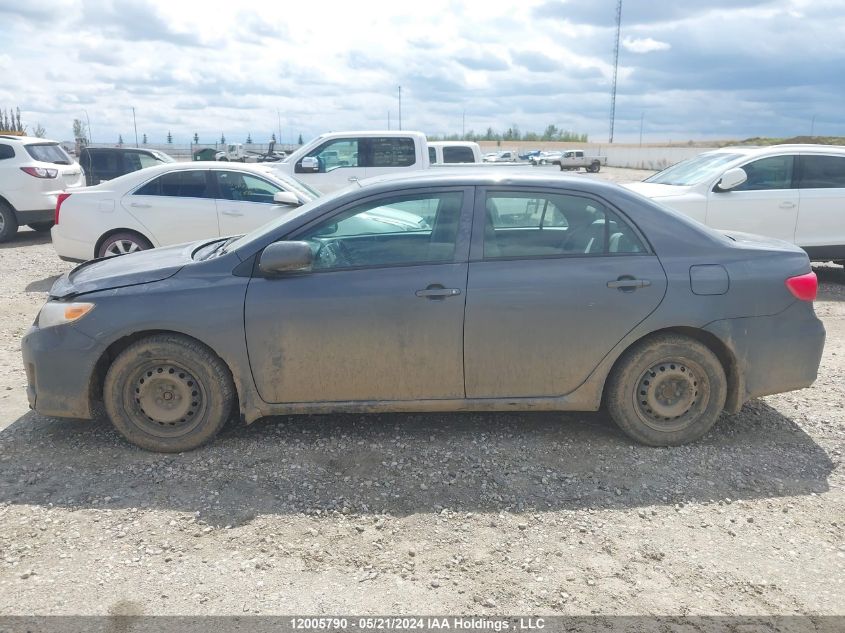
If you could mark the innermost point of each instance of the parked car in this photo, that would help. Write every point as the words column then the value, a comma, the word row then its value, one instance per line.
column 504, row 156
column 546, row 158
column 794, row 193
column 522, row 292
column 33, row 172
column 107, row 163
column 169, row 204
column 527, row 155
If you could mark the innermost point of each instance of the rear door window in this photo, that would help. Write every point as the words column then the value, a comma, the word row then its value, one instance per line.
column 822, row 172
column 6, row 151
column 390, row 152
column 178, row 184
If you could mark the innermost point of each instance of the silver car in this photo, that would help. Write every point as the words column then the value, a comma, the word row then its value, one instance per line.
column 479, row 291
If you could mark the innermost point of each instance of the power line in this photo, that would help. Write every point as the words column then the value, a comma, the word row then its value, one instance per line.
column 615, row 68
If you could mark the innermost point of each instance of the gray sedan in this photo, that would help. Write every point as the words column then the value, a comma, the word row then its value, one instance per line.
column 481, row 291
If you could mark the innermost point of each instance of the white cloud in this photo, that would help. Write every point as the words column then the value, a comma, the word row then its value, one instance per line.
column 644, row 45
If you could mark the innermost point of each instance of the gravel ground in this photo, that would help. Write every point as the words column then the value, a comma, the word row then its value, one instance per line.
column 442, row 513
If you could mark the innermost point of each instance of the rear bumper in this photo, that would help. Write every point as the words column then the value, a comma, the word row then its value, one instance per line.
column 59, row 363
column 40, row 215
column 68, row 249
column 775, row 353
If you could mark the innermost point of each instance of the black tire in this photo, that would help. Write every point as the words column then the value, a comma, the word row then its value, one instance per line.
column 8, row 222
column 666, row 390
column 594, row 167
column 41, row 227
column 200, row 388
column 123, row 243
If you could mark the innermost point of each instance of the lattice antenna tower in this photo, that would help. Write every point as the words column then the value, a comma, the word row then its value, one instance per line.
column 615, row 68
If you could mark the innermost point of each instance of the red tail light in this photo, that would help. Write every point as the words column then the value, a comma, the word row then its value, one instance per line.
column 59, row 199
column 804, row 287
column 41, row 172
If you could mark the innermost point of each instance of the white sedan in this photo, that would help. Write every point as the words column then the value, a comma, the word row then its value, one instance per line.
column 169, row 204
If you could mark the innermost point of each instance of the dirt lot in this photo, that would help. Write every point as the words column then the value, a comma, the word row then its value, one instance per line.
column 469, row 513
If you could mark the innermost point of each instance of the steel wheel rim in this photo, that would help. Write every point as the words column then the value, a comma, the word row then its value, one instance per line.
column 165, row 399
column 671, row 394
column 122, row 247
column 2, row 222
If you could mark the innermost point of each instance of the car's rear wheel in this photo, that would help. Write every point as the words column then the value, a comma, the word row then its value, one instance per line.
column 168, row 393
column 41, row 227
column 666, row 390
column 122, row 244
column 8, row 222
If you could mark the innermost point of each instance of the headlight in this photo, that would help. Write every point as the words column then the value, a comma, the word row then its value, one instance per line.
column 57, row 313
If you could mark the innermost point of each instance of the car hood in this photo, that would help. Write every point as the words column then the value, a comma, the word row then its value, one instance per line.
column 655, row 190
column 124, row 270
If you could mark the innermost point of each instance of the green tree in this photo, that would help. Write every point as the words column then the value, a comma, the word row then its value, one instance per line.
column 120, row 139
column 80, row 132
column 272, row 137
column 169, row 137
column 248, row 138
column 551, row 133
column 39, row 131
column 299, row 141
column 196, row 138
column 222, row 139
column 144, row 139
column 19, row 127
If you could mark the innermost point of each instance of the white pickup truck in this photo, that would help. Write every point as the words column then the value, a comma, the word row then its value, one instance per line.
column 336, row 159
column 573, row 159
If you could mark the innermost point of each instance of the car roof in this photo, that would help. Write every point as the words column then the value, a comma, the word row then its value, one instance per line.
column 757, row 150
column 26, row 140
column 486, row 176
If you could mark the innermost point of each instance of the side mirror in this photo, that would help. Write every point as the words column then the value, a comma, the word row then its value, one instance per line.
column 731, row 179
column 286, row 197
column 310, row 163
column 285, row 257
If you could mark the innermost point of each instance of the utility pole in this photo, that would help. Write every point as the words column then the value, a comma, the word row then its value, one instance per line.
column 88, row 121
column 463, row 124
column 812, row 125
column 388, row 119
column 642, row 116
column 134, row 123
column 615, row 68
column 279, row 121
column 400, row 107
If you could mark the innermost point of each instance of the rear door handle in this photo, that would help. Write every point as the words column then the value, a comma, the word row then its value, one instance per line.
column 140, row 205
column 628, row 284
column 438, row 292
column 231, row 213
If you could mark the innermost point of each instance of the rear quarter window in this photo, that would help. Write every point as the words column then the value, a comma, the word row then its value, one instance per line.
column 458, row 155
column 392, row 152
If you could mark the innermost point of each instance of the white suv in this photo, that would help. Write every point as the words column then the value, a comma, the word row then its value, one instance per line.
column 794, row 193
column 33, row 171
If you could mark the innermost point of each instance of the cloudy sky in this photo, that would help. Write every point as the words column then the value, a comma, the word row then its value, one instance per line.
column 691, row 69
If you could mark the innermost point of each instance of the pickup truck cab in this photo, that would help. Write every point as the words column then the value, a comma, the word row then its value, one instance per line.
column 451, row 152
column 573, row 159
column 334, row 160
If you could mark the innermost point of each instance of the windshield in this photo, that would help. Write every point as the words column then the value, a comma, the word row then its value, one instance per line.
column 48, row 153
column 694, row 170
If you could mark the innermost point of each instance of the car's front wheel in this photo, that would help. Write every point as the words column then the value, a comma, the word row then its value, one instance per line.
column 123, row 244
column 666, row 390
column 168, row 393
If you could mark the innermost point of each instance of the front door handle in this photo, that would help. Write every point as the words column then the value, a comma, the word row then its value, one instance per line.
column 787, row 205
column 627, row 283
column 436, row 291
column 231, row 213
column 140, row 205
